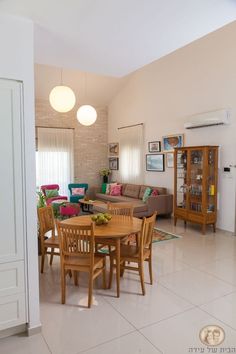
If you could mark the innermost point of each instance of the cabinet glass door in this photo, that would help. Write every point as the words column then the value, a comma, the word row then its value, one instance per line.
column 211, row 181
column 181, row 179
column 196, row 178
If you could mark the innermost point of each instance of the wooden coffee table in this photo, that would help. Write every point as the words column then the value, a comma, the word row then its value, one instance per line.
column 87, row 205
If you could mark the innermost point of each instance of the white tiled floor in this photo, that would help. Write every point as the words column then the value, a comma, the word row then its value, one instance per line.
column 195, row 285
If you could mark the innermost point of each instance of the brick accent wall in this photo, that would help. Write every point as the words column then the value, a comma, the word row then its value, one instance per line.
column 90, row 143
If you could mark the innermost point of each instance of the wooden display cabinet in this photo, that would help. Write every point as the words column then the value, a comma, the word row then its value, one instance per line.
column 195, row 187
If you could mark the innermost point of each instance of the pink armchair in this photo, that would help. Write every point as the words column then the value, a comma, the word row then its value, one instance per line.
column 48, row 187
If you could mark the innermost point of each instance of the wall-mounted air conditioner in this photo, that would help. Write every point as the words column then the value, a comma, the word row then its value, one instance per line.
column 208, row 119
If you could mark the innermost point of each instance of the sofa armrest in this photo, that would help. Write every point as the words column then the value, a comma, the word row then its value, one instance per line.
column 162, row 204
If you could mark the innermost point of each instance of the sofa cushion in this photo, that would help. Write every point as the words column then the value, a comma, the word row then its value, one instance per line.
column 108, row 187
column 138, row 205
column 78, row 191
column 109, row 198
column 50, row 193
column 146, row 194
column 131, row 190
column 161, row 190
column 116, row 190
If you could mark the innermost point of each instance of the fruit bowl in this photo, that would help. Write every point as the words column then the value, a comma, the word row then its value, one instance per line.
column 101, row 218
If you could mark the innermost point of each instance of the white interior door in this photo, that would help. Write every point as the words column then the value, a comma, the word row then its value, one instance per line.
column 12, row 207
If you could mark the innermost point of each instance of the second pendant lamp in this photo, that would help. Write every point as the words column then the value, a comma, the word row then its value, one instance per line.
column 86, row 114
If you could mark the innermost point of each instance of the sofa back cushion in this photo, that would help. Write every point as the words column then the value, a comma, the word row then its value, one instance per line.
column 131, row 190
column 161, row 190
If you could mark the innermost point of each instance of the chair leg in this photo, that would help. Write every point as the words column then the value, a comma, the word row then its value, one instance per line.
column 141, row 273
column 63, row 286
column 51, row 256
column 90, row 291
column 104, row 274
column 75, row 275
column 150, row 269
column 42, row 260
column 111, row 273
column 122, row 269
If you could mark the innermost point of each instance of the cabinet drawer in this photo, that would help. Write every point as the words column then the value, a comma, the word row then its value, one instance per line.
column 12, row 278
column 196, row 217
column 12, row 311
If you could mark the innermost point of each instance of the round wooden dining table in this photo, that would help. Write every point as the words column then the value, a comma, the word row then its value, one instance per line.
column 117, row 229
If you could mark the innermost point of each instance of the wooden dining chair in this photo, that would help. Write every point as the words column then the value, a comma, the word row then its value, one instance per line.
column 47, row 225
column 77, row 255
column 138, row 253
column 125, row 209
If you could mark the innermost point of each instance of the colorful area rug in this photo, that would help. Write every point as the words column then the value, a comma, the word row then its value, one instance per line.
column 161, row 235
column 158, row 236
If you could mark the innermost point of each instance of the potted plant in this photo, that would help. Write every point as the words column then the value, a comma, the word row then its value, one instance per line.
column 105, row 172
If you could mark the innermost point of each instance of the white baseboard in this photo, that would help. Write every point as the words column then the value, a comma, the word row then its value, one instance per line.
column 34, row 330
column 14, row 330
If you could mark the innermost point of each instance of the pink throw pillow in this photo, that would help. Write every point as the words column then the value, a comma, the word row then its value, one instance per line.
column 109, row 185
column 78, row 191
column 154, row 193
column 115, row 190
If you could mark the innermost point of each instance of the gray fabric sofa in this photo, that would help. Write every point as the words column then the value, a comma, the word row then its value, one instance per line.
column 132, row 193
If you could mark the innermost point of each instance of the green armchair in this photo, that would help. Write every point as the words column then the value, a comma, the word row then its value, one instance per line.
column 74, row 198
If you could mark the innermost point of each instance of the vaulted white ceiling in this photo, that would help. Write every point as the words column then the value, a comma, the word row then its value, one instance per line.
column 116, row 37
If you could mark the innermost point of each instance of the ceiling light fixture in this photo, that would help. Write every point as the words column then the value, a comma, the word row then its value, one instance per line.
column 62, row 98
column 86, row 114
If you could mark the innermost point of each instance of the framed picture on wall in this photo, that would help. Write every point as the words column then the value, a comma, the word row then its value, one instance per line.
column 113, row 163
column 155, row 162
column 169, row 159
column 113, row 149
column 154, row 146
column 170, row 142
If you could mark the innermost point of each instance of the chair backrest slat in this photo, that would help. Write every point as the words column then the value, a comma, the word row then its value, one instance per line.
column 46, row 221
column 147, row 232
column 76, row 240
column 121, row 209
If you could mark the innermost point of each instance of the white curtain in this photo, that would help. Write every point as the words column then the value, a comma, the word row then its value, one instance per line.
column 131, row 154
column 55, row 157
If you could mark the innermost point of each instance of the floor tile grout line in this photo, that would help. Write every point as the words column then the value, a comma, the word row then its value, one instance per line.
column 234, row 329
column 46, row 342
column 107, row 341
column 180, row 296
column 167, row 318
column 191, row 303
column 217, row 277
column 120, row 314
column 150, row 342
column 203, row 272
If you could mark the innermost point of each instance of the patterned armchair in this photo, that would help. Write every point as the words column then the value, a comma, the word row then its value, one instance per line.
column 48, row 187
column 74, row 198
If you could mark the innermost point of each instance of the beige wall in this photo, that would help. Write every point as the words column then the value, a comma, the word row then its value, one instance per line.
column 90, row 143
column 199, row 77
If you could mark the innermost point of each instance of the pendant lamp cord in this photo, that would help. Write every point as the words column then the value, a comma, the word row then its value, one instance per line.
column 61, row 77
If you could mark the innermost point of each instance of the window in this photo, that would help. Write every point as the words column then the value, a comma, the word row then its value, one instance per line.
column 131, row 154
column 54, row 158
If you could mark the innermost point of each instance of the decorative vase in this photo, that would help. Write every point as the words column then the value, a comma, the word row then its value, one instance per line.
column 105, row 179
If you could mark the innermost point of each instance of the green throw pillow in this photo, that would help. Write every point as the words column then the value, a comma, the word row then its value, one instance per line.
column 50, row 193
column 104, row 188
column 146, row 194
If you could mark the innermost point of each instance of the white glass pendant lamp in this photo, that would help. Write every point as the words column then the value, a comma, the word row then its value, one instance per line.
column 86, row 114
column 62, row 98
